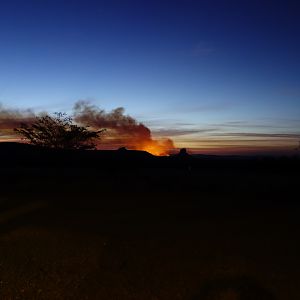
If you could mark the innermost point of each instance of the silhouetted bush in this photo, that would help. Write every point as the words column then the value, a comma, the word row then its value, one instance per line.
column 58, row 132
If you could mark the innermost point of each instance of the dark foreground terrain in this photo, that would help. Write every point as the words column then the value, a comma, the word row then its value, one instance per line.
column 145, row 228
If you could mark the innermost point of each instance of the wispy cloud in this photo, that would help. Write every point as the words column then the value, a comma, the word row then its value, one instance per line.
column 202, row 107
column 181, row 132
column 261, row 135
column 165, row 122
column 263, row 124
column 245, row 124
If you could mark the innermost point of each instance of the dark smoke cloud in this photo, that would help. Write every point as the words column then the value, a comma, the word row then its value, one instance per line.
column 93, row 116
column 12, row 118
column 122, row 130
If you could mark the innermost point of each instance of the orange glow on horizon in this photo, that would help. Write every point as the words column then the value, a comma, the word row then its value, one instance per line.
column 158, row 147
column 165, row 147
column 155, row 150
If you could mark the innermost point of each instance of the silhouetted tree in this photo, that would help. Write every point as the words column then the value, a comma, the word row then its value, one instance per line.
column 58, row 132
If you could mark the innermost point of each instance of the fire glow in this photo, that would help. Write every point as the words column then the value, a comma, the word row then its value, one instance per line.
column 122, row 130
column 159, row 148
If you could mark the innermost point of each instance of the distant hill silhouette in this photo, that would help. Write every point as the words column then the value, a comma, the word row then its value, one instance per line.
column 21, row 155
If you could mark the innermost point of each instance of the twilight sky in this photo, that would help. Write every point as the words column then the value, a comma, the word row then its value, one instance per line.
column 215, row 76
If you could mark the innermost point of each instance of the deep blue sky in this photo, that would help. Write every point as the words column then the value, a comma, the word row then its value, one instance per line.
column 200, row 71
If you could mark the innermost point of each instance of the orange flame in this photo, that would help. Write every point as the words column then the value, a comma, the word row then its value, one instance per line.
column 158, row 147
column 124, row 130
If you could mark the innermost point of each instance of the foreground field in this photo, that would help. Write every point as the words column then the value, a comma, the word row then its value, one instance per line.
column 148, row 234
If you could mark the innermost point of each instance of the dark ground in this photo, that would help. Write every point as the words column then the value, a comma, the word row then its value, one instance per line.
column 141, row 232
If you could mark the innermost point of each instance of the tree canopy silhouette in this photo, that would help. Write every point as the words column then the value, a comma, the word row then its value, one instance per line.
column 58, row 132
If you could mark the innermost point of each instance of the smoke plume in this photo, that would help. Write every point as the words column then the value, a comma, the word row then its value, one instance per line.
column 121, row 130
column 12, row 118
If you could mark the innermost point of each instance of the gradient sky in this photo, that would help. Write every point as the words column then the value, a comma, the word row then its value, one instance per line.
column 216, row 76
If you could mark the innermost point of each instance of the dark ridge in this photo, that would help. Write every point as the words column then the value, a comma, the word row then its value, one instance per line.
column 20, row 154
